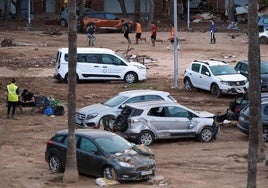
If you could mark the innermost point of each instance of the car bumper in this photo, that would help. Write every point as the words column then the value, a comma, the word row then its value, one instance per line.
column 58, row 77
column 242, row 129
column 234, row 91
column 136, row 174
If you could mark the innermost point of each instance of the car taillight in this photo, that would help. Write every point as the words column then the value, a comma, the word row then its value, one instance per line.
column 50, row 142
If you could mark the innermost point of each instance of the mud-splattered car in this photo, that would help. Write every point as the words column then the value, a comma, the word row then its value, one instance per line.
column 101, row 154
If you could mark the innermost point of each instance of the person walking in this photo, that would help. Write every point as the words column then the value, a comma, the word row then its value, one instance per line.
column 91, row 34
column 12, row 98
column 126, row 32
column 212, row 32
column 171, row 37
column 138, row 32
column 154, row 33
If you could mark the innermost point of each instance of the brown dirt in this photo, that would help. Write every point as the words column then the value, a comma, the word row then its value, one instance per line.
column 183, row 162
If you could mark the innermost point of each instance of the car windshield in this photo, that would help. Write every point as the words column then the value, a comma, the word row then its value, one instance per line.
column 264, row 68
column 115, row 101
column 122, row 57
column 222, row 70
column 113, row 144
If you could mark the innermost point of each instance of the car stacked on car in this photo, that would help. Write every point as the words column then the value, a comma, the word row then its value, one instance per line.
column 104, row 114
column 215, row 76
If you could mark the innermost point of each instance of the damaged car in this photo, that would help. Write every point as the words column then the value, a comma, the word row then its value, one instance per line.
column 101, row 154
column 146, row 122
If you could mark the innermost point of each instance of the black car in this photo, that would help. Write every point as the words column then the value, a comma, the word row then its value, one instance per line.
column 242, row 68
column 243, row 120
column 101, row 154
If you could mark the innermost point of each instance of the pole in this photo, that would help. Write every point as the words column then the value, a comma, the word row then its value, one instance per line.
column 29, row 13
column 188, row 14
column 176, row 42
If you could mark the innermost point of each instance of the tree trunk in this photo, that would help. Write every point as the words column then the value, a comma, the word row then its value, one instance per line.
column 6, row 11
column 18, row 10
column 82, row 8
column 151, row 13
column 231, row 11
column 256, row 144
column 123, row 8
column 71, row 172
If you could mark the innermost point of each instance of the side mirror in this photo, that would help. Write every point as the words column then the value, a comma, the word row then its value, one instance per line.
column 207, row 73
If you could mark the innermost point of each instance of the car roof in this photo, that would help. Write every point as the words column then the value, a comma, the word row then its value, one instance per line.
column 89, row 50
column 246, row 61
column 150, row 104
column 93, row 133
column 133, row 93
column 211, row 62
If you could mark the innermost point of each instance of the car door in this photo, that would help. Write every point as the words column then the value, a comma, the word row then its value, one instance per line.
column 89, row 158
column 88, row 66
column 112, row 67
column 205, row 79
column 112, row 20
column 169, row 121
column 194, row 74
column 242, row 68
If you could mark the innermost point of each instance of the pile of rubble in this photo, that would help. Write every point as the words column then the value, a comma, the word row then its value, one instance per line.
column 7, row 42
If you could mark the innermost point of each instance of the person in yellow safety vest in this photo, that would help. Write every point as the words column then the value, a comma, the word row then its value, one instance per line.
column 12, row 98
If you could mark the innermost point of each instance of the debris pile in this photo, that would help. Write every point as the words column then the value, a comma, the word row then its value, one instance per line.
column 7, row 42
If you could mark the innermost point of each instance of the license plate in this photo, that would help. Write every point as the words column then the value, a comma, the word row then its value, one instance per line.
column 146, row 172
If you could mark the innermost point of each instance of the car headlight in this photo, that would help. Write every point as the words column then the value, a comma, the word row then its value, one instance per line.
column 225, row 83
column 140, row 66
column 90, row 116
column 124, row 164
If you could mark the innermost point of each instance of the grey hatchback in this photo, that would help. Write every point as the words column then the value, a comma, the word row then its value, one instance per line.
column 101, row 154
column 146, row 121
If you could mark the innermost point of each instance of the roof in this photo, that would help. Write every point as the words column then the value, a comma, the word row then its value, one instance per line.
column 89, row 50
column 150, row 104
column 94, row 133
column 211, row 62
column 246, row 61
column 132, row 93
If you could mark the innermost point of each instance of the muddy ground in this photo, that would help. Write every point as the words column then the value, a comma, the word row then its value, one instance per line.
column 184, row 163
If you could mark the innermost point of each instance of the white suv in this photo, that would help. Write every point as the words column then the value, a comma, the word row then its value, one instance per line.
column 103, row 115
column 215, row 76
column 99, row 64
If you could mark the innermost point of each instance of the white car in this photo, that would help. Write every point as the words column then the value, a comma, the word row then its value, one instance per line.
column 148, row 121
column 215, row 76
column 103, row 115
column 99, row 64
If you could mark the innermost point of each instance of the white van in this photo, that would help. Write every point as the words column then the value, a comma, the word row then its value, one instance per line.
column 99, row 64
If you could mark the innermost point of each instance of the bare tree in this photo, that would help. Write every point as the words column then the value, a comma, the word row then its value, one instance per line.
column 71, row 172
column 82, row 7
column 123, row 8
column 18, row 10
column 151, row 12
column 256, row 143
column 231, row 11
column 7, row 6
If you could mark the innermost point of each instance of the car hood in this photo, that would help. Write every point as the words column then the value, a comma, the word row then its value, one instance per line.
column 134, row 158
column 94, row 108
column 205, row 114
column 232, row 77
column 136, row 63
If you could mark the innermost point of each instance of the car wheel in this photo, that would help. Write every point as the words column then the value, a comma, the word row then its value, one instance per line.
column 206, row 134
column 63, row 23
column 215, row 91
column 66, row 78
column 106, row 123
column 55, row 165
column 109, row 173
column 146, row 138
column 121, row 123
column 188, row 84
column 131, row 77
column 263, row 40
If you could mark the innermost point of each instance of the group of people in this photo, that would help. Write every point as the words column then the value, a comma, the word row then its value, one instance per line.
column 15, row 100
